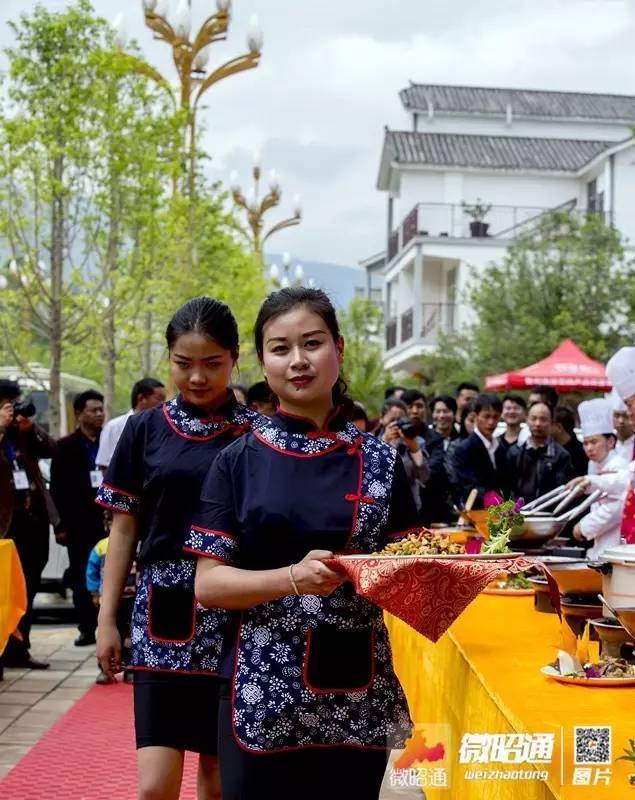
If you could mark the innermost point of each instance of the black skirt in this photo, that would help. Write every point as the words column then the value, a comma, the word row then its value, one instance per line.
column 336, row 773
column 176, row 710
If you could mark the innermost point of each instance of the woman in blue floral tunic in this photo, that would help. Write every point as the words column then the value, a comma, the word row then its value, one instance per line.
column 152, row 485
column 312, row 706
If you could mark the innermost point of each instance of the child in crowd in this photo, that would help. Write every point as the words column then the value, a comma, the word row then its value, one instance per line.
column 94, row 582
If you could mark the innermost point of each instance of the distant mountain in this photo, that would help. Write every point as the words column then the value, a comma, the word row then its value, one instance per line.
column 341, row 282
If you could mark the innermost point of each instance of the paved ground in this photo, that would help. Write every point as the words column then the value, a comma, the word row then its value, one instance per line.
column 30, row 702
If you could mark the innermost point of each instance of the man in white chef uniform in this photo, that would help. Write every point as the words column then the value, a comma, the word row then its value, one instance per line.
column 625, row 444
column 620, row 370
column 603, row 522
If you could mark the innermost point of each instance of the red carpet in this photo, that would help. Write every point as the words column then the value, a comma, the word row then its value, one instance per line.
column 89, row 754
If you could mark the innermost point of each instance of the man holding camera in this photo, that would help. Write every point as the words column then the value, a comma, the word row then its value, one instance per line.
column 397, row 430
column 25, row 506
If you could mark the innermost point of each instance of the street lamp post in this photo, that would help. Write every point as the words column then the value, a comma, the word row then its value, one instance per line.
column 286, row 278
column 256, row 207
column 191, row 56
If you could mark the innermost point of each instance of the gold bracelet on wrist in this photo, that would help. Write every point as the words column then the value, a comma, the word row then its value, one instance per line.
column 292, row 579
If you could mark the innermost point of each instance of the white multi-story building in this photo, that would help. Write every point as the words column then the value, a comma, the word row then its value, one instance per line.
column 520, row 153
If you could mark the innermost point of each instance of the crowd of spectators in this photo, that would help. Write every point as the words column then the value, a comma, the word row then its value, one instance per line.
column 473, row 440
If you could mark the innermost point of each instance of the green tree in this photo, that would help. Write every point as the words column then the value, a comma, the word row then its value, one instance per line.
column 134, row 155
column 46, row 151
column 362, row 324
column 567, row 277
column 441, row 370
column 104, row 244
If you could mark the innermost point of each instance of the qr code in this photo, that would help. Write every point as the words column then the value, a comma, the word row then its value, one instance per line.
column 592, row 745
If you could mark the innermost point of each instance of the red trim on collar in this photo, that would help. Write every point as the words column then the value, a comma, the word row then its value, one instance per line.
column 337, row 443
column 190, row 437
column 229, row 399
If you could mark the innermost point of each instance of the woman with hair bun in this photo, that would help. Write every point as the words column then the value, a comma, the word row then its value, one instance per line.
column 312, row 706
column 152, row 486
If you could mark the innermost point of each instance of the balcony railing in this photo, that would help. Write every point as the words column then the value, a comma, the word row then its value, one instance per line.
column 407, row 322
column 436, row 319
column 450, row 221
column 393, row 245
column 391, row 334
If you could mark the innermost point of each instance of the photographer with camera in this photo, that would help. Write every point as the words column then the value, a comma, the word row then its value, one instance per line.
column 26, row 508
column 397, row 430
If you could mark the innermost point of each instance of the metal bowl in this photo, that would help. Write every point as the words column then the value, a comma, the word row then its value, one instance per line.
column 538, row 528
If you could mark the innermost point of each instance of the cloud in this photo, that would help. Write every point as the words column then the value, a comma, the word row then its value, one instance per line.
column 330, row 77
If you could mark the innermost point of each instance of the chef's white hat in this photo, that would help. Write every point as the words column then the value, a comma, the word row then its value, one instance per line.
column 596, row 416
column 617, row 404
column 620, row 370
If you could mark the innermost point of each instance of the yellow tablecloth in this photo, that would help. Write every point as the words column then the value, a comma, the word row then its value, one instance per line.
column 12, row 591
column 483, row 676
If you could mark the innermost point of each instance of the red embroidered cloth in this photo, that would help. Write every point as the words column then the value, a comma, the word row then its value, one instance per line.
column 426, row 593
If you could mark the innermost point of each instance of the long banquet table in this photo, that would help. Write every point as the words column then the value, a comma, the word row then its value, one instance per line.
column 483, row 676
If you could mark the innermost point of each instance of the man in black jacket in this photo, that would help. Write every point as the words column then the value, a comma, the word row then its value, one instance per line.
column 74, row 483
column 540, row 464
column 478, row 462
column 25, row 508
column 563, row 431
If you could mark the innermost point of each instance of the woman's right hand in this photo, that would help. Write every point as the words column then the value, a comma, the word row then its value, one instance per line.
column 109, row 649
column 312, row 576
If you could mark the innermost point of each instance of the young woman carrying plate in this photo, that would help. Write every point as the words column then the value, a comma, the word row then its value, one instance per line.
column 313, row 706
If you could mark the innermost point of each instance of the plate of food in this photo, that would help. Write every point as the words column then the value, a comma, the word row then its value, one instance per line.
column 428, row 544
column 510, row 586
column 607, row 672
column 446, row 556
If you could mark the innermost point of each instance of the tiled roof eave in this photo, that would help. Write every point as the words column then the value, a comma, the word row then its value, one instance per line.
column 419, row 165
column 519, row 116
column 539, row 104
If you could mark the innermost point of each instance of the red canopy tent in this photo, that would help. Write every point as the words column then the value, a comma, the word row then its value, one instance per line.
column 567, row 369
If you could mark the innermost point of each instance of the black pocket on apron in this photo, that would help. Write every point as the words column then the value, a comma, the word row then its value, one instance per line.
column 339, row 660
column 172, row 613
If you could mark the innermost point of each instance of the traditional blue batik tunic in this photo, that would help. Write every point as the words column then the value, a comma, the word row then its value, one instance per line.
column 307, row 670
column 156, row 473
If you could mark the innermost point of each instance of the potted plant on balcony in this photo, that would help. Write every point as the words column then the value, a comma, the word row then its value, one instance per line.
column 478, row 211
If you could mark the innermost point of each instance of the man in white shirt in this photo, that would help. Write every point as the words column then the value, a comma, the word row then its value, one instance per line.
column 146, row 393
column 620, row 370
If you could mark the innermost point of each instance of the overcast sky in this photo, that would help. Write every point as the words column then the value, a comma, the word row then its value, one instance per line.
column 330, row 76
